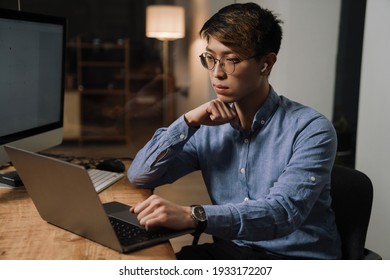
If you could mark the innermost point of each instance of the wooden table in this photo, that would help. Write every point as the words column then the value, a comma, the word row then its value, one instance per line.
column 24, row 235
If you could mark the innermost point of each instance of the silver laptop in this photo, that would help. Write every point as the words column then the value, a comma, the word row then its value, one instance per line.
column 65, row 196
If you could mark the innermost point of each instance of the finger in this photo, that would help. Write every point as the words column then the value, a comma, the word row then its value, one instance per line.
column 230, row 111
column 156, row 218
column 144, row 214
column 132, row 208
column 139, row 207
column 148, row 206
column 214, row 111
column 151, row 223
column 221, row 112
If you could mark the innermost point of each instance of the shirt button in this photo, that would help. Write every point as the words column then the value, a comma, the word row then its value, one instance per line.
column 182, row 136
column 242, row 170
column 246, row 141
column 262, row 122
column 246, row 199
column 312, row 178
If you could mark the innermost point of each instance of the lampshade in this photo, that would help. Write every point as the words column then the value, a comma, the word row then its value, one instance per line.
column 165, row 22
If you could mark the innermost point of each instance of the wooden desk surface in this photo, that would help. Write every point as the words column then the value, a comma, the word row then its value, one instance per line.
column 24, row 235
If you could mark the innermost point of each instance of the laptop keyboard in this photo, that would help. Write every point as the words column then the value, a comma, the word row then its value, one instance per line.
column 129, row 234
column 102, row 179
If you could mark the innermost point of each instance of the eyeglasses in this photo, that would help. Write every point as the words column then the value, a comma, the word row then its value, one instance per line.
column 227, row 64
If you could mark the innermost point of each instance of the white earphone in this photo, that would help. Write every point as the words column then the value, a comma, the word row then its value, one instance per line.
column 264, row 67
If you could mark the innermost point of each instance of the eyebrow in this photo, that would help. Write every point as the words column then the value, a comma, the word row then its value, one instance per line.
column 223, row 53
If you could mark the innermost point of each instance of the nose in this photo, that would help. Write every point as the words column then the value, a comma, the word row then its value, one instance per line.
column 218, row 71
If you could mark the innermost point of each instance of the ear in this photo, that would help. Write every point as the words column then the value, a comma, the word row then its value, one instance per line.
column 264, row 67
column 269, row 61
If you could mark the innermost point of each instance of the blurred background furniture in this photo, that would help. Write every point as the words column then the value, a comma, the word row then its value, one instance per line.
column 101, row 78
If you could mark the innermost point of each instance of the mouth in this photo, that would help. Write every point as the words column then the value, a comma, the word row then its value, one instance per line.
column 220, row 89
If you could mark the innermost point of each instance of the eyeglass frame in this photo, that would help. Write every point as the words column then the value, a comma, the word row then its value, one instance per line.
column 222, row 65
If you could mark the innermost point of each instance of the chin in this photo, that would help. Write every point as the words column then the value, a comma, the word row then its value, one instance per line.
column 226, row 99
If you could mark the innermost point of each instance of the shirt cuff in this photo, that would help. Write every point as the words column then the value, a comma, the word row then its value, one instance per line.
column 222, row 220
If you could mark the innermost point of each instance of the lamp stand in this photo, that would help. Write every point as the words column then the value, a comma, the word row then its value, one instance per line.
column 166, row 22
column 167, row 108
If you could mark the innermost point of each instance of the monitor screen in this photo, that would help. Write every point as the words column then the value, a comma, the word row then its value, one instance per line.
column 32, row 54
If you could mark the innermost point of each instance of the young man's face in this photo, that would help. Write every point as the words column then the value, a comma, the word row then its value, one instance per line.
column 245, row 82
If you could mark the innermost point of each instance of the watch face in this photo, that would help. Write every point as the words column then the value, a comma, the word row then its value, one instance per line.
column 199, row 213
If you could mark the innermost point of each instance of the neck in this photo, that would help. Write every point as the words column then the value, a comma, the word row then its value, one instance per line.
column 246, row 108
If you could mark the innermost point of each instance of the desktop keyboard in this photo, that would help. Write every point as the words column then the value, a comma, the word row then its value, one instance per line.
column 102, row 179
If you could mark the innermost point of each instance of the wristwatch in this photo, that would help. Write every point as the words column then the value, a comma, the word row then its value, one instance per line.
column 198, row 214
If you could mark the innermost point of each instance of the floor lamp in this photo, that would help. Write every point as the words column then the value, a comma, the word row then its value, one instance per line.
column 166, row 23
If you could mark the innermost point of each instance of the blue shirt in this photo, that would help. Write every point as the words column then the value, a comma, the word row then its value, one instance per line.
column 270, row 188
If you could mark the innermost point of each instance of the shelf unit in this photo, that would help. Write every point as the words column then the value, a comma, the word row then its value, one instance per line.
column 114, row 103
column 102, row 79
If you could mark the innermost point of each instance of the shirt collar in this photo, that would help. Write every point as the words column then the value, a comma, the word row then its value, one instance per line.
column 265, row 112
column 267, row 109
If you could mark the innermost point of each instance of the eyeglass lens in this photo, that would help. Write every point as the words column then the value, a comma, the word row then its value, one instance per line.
column 208, row 61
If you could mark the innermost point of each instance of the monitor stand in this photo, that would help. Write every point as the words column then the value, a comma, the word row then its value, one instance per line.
column 11, row 178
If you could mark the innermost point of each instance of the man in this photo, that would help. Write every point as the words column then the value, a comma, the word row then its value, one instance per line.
column 265, row 160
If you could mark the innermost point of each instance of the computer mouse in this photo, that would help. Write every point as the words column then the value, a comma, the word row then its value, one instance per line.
column 113, row 165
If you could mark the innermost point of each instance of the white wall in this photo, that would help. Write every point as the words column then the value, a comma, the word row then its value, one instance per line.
column 373, row 137
column 306, row 67
column 197, row 12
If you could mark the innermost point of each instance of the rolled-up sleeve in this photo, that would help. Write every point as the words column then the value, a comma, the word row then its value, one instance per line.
column 163, row 160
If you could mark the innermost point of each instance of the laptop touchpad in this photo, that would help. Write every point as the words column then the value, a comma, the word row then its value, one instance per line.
column 122, row 212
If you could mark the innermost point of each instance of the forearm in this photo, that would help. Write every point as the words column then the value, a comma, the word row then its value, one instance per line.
column 162, row 160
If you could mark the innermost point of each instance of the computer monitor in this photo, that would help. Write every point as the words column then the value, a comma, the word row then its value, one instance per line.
column 32, row 59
